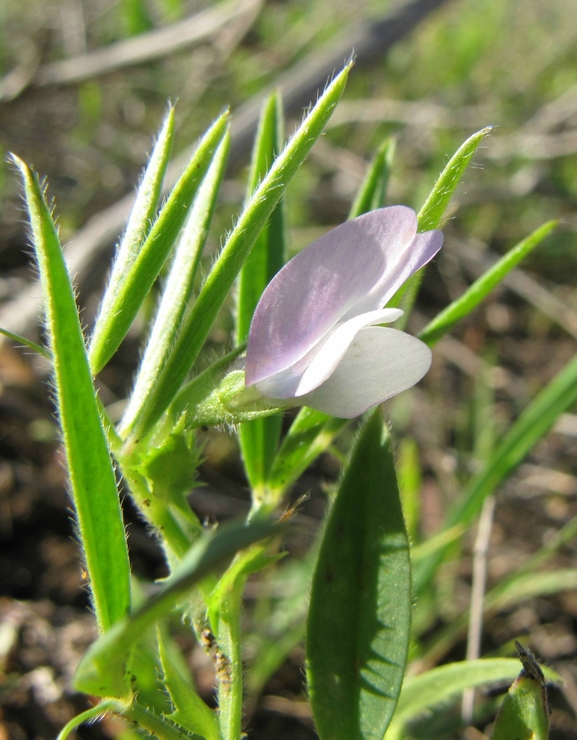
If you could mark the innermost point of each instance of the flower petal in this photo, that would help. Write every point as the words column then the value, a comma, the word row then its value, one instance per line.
column 341, row 275
column 401, row 264
column 318, row 364
column 379, row 363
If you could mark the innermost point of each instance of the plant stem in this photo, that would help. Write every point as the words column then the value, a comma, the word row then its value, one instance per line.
column 173, row 538
column 229, row 665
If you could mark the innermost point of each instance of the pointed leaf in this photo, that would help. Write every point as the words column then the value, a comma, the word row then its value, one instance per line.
column 125, row 295
column 190, row 711
column 481, row 288
column 431, row 214
column 235, row 251
column 143, row 211
column 92, row 477
column 259, row 438
column 373, row 191
column 360, row 611
column 178, row 288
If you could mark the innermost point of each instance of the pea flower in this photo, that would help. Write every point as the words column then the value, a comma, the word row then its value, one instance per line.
column 316, row 337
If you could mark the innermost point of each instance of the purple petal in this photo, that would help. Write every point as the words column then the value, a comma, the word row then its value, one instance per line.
column 341, row 275
column 379, row 363
column 401, row 264
column 318, row 364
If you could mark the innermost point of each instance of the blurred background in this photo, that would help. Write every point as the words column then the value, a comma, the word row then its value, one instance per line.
column 84, row 85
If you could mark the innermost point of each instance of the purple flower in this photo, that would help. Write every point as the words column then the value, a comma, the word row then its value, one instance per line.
column 315, row 337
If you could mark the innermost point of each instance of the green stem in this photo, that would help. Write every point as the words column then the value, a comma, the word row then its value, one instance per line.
column 229, row 665
column 173, row 538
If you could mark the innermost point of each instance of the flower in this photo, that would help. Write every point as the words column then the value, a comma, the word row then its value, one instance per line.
column 315, row 334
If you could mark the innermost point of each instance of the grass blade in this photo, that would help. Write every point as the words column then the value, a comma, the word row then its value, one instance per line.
column 125, row 295
column 259, row 438
column 373, row 191
column 481, row 288
column 532, row 425
column 92, row 477
column 236, row 250
column 360, row 611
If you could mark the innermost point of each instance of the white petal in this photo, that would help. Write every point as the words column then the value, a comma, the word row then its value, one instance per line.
column 379, row 363
column 318, row 364
column 332, row 350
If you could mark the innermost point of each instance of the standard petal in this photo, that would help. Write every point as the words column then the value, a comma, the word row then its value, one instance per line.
column 318, row 364
column 402, row 262
column 379, row 363
column 342, row 274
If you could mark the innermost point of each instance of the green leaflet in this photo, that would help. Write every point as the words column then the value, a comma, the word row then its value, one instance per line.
column 237, row 248
column 92, row 478
column 524, row 714
column 141, row 262
column 373, row 191
column 431, row 214
column 178, row 287
column 259, row 438
column 190, row 711
column 360, row 611
column 480, row 289
column 310, row 434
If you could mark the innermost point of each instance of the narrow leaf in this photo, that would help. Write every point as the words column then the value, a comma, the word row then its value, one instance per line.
column 236, row 250
column 481, row 288
column 178, row 288
column 26, row 343
column 88, row 716
column 559, row 395
column 125, row 295
column 102, row 670
column 310, row 434
column 142, row 213
column 360, row 611
column 431, row 214
column 190, row 711
column 92, row 478
column 259, row 438
column 373, row 191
